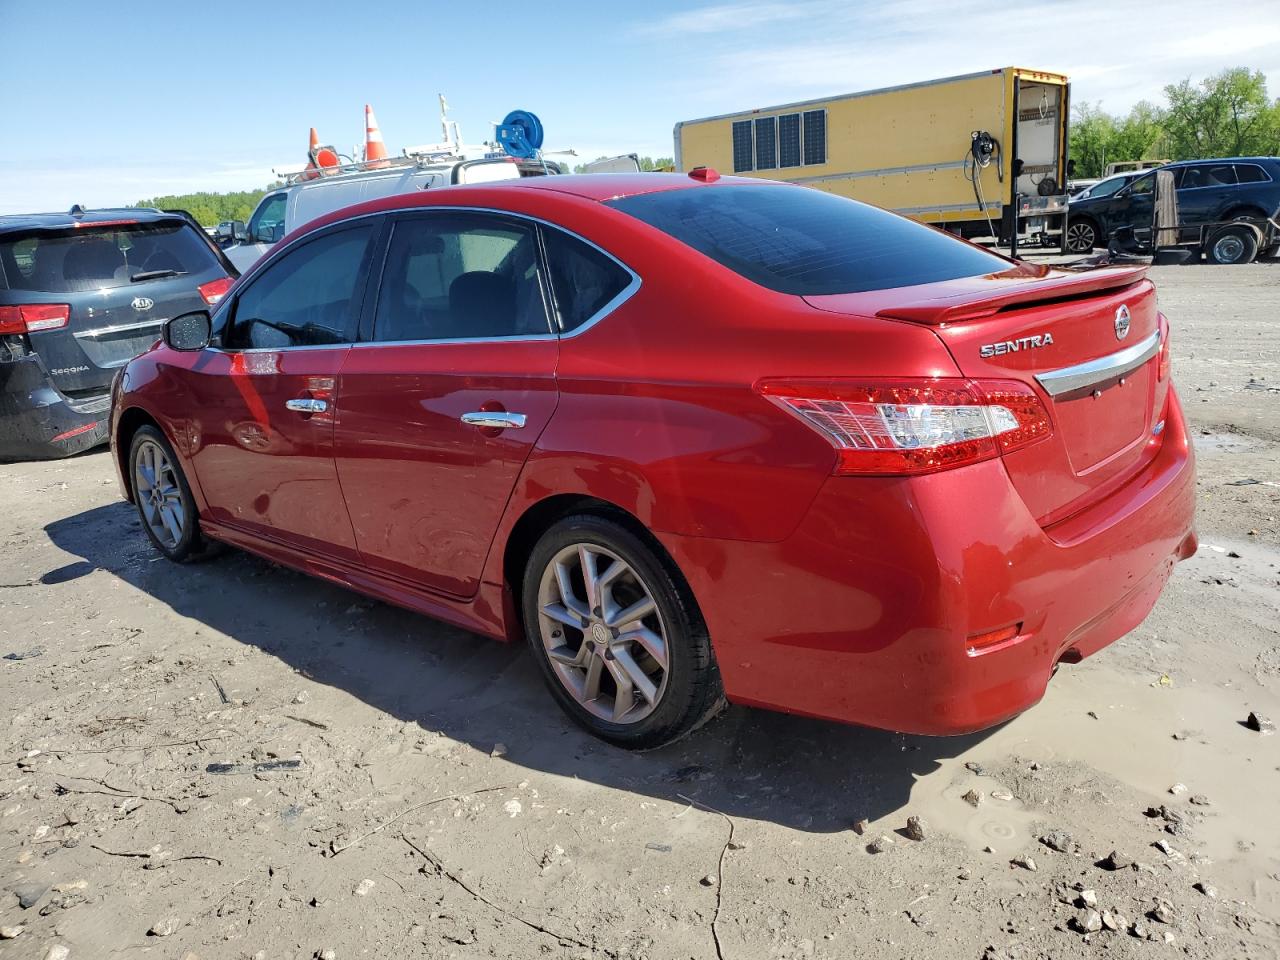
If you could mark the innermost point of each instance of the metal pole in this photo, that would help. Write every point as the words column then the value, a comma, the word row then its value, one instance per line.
column 1014, row 169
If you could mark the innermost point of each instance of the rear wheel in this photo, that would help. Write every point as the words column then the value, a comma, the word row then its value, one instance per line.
column 1082, row 236
column 1233, row 244
column 617, row 635
column 163, row 497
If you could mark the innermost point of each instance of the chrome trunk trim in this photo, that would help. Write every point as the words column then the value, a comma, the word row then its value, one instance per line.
column 1083, row 375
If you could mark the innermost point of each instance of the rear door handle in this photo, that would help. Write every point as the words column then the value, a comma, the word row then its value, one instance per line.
column 496, row 419
column 307, row 405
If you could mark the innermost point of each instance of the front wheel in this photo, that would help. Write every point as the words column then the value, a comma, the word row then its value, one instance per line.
column 617, row 634
column 1082, row 236
column 163, row 498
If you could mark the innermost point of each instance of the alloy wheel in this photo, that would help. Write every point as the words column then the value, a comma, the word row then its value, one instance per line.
column 1080, row 237
column 603, row 633
column 159, row 494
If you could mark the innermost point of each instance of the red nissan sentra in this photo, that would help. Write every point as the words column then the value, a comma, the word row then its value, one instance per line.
column 694, row 438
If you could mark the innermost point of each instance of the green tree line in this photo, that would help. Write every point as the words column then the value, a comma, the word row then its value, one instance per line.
column 211, row 208
column 1229, row 114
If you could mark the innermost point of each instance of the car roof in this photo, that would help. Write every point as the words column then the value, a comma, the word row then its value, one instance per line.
column 1184, row 163
column 59, row 221
column 601, row 186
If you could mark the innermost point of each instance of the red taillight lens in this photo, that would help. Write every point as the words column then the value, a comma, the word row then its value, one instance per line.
column 33, row 317
column 1166, row 358
column 904, row 427
column 215, row 290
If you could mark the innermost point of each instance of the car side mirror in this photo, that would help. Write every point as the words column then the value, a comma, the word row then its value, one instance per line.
column 238, row 231
column 187, row 331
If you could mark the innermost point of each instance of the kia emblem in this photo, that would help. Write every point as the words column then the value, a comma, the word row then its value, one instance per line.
column 1122, row 322
column 146, row 303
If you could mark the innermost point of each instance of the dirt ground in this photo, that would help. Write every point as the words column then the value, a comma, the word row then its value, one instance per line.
column 231, row 760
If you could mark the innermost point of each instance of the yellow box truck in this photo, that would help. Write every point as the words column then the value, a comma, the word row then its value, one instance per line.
column 962, row 153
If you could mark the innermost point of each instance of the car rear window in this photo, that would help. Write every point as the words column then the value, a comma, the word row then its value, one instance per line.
column 803, row 241
column 91, row 258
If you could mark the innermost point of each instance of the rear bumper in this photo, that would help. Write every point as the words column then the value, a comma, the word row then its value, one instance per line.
column 865, row 614
column 37, row 422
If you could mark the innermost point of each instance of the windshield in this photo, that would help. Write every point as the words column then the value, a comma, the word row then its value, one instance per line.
column 95, row 258
column 1105, row 188
column 803, row 241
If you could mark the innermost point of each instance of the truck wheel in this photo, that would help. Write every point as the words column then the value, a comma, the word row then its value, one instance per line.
column 1233, row 244
column 1082, row 236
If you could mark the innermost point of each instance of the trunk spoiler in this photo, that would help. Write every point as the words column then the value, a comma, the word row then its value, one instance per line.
column 976, row 297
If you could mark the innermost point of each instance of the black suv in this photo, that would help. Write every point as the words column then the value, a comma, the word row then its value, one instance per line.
column 81, row 294
column 1209, row 191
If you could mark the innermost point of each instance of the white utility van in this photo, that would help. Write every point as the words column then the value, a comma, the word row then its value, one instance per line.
column 302, row 200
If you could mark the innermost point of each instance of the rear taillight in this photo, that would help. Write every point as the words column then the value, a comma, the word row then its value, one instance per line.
column 215, row 290
column 1166, row 358
column 33, row 317
column 903, row 427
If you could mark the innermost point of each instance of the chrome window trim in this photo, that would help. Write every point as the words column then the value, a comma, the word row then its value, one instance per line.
column 623, row 296
column 1082, row 375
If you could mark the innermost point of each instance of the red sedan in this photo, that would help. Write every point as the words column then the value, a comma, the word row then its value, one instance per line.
column 693, row 438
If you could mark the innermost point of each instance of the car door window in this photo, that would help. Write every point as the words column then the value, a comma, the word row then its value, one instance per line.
column 308, row 297
column 1250, row 173
column 585, row 279
column 267, row 223
column 460, row 276
column 1143, row 186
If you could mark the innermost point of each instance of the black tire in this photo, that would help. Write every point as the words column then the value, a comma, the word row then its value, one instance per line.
column 1082, row 235
column 190, row 545
column 1232, row 244
column 691, row 693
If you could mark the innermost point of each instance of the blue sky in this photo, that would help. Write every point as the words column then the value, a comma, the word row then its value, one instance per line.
column 110, row 102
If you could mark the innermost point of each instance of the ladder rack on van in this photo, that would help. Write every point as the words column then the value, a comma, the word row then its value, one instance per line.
column 412, row 160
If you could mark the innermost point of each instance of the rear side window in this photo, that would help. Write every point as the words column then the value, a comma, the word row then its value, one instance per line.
column 307, row 297
column 460, row 276
column 1251, row 173
column 802, row 241
column 94, row 258
column 584, row 280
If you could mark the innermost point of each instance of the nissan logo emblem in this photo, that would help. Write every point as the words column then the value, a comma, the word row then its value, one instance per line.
column 146, row 303
column 1122, row 322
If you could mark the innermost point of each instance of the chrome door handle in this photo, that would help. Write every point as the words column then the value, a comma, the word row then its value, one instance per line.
column 306, row 405
column 496, row 419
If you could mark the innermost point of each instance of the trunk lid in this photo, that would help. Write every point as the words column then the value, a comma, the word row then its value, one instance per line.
column 1064, row 335
column 120, row 280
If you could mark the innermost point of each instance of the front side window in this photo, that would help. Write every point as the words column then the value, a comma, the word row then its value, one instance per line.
column 460, row 276
column 806, row 242
column 585, row 280
column 308, row 297
column 267, row 223
column 1144, row 186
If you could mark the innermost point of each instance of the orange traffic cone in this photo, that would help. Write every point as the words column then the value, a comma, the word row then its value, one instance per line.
column 309, row 173
column 374, row 149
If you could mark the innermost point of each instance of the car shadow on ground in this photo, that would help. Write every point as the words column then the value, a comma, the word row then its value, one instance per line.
column 804, row 774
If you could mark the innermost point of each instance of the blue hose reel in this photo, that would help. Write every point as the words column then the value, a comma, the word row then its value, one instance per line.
column 520, row 134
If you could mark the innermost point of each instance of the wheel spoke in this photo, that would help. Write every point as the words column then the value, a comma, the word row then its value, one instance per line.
column 587, row 560
column 559, row 613
column 652, row 643
column 570, row 658
column 639, row 679
column 567, row 598
column 171, row 523
column 625, row 697
column 637, row 611
column 591, row 683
